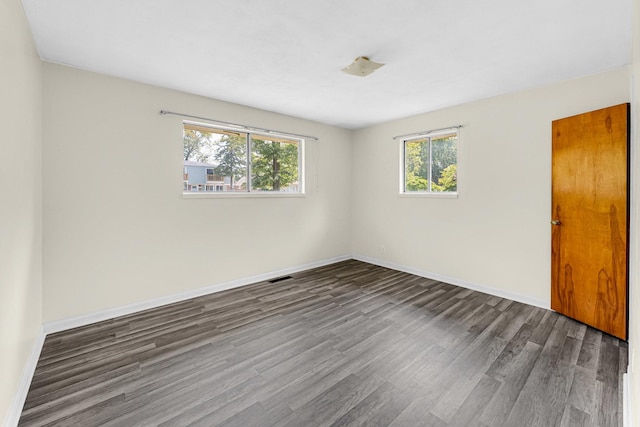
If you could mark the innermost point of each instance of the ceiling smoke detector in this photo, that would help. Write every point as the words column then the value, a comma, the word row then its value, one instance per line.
column 362, row 66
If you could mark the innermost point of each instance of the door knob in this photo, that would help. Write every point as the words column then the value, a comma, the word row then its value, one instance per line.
column 555, row 222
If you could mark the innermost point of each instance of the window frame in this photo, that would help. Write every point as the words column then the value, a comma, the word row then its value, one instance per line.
column 249, row 136
column 403, row 173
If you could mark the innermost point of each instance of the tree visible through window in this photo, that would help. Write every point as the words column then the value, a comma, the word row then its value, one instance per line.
column 220, row 160
column 430, row 163
column 274, row 164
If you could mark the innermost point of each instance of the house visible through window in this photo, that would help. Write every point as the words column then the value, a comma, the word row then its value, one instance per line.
column 221, row 160
column 430, row 163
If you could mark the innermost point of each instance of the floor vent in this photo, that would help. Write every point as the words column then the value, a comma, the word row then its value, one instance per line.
column 280, row 279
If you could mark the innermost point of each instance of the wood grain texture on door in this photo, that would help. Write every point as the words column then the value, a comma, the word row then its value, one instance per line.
column 590, row 218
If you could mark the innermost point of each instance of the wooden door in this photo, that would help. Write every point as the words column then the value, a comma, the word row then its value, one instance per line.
column 590, row 218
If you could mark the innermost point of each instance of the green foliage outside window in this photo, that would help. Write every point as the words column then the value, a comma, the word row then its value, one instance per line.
column 274, row 165
column 230, row 155
column 431, row 164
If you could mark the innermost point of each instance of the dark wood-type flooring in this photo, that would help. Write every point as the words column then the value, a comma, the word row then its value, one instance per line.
column 342, row 345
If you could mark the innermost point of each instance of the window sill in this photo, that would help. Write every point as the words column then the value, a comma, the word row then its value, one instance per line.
column 430, row 195
column 230, row 195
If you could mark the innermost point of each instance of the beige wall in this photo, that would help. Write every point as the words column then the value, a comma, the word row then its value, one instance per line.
column 116, row 228
column 20, row 194
column 496, row 234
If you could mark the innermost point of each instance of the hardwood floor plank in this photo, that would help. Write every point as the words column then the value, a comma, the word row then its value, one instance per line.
column 77, row 390
column 475, row 402
column 513, row 377
column 465, row 373
column 607, row 409
column 576, row 418
column 416, row 414
column 607, row 368
column 501, row 367
column 218, row 407
column 544, row 396
column 326, row 407
column 345, row 344
column 590, row 351
column 582, row 395
column 380, row 407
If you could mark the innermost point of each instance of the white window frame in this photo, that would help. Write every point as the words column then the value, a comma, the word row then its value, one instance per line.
column 249, row 135
column 403, row 176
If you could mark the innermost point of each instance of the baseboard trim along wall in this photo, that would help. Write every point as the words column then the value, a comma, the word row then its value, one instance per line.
column 87, row 319
column 453, row 281
column 15, row 410
column 627, row 413
column 75, row 322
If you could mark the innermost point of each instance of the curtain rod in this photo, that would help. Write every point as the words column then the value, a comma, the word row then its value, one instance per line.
column 426, row 132
column 243, row 127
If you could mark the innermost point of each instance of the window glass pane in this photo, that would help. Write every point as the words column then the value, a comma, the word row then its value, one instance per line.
column 220, row 160
column 214, row 160
column 274, row 164
column 444, row 159
column 416, row 165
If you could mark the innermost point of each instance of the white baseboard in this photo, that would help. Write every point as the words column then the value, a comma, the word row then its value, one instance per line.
column 458, row 282
column 87, row 319
column 15, row 410
column 627, row 413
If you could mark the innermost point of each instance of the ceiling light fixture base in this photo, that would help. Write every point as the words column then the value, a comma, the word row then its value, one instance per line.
column 362, row 67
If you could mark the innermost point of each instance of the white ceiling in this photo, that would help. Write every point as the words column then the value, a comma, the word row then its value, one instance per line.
column 286, row 56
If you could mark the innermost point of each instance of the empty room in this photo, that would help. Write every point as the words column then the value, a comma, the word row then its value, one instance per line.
column 409, row 213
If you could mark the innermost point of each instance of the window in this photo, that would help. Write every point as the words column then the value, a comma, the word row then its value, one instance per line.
column 222, row 160
column 430, row 163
